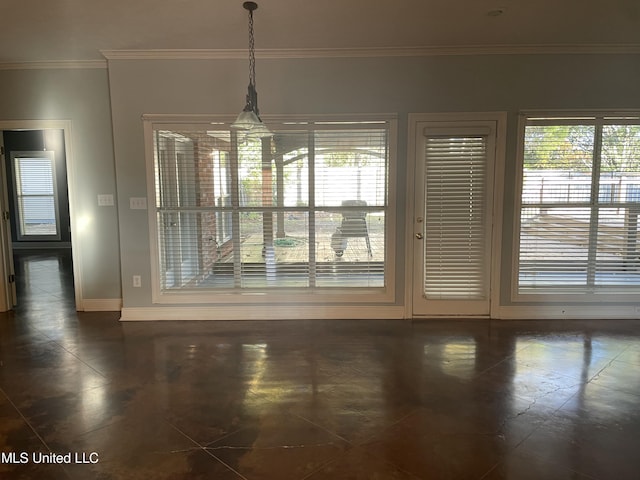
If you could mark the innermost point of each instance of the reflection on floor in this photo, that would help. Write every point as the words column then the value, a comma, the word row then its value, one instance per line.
column 311, row 400
column 44, row 278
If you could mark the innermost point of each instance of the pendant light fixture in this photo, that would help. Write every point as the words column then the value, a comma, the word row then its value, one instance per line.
column 249, row 119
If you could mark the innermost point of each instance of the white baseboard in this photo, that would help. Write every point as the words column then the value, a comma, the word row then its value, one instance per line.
column 102, row 304
column 567, row 312
column 271, row 312
column 319, row 312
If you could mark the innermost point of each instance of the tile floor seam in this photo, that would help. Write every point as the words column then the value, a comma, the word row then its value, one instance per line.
column 399, row 468
column 211, row 450
column 547, row 419
column 203, row 448
column 631, row 364
column 612, row 389
column 222, row 462
column 370, row 439
column 586, row 475
column 552, row 414
column 98, row 428
column 488, row 472
column 53, row 340
column 184, row 434
column 482, row 372
column 581, row 473
column 351, row 448
column 226, row 435
column 25, row 419
column 576, row 472
column 322, row 466
column 596, row 375
column 593, row 380
column 554, row 417
column 322, row 428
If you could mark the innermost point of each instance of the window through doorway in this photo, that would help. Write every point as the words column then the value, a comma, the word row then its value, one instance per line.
column 36, row 195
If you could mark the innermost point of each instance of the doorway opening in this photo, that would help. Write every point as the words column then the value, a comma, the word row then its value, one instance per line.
column 38, row 256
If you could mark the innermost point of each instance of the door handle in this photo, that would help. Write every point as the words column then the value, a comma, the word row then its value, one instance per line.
column 419, row 236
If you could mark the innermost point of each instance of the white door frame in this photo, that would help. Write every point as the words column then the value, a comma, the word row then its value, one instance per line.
column 456, row 120
column 7, row 286
column 65, row 126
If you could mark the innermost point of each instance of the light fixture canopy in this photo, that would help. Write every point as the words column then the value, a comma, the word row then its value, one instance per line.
column 249, row 119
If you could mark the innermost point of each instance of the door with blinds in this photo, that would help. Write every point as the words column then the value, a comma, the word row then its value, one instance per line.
column 452, row 221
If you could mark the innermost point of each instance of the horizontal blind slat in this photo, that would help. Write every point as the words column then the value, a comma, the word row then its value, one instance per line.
column 455, row 177
column 305, row 208
column 572, row 231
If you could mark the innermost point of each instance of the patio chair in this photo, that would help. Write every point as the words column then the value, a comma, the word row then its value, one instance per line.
column 354, row 224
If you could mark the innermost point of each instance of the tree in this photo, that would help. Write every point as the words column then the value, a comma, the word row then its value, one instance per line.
column 621, row 149
column 571, row 147
column 559, row 147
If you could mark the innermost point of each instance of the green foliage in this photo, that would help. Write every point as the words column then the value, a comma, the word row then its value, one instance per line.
column 571, row 147
column 287, row 242
column 621, row 149
column 251, row 187
column 561, row 147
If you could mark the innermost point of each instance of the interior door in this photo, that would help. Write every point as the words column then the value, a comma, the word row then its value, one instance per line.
column 7, row 273
column 452, row 222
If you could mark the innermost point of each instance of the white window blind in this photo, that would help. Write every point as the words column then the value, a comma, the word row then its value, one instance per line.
column 305, row 208
column 35, row 195
column 455, row 217
column 580, row 204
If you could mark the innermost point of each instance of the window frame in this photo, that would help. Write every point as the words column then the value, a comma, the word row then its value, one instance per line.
column 249, row 297
column 601, row 294
column 457, row 120
column 44, row 155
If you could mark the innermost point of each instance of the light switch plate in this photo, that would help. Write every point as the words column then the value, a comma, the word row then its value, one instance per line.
column 105, row 200
column 137, row 203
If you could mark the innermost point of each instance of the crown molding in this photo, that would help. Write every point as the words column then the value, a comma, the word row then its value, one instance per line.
column 293, row 53
column 54, row 65
column 284, row 53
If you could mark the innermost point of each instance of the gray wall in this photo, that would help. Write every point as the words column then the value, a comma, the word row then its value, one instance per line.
column 353, row 85
column 92, row 98
column 81, row 96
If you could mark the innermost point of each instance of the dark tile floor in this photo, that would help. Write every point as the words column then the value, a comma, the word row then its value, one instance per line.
column 310, row 400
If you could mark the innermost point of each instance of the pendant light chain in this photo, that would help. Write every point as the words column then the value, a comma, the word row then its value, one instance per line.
column 249, row 119
column 252, row 55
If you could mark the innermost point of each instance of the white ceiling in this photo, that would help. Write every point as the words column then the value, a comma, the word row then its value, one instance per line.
column 62, row 30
